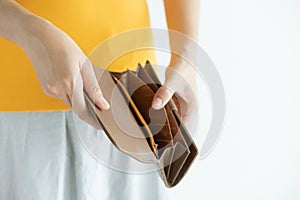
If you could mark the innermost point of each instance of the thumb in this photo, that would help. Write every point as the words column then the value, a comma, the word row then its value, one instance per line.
column 162, row 97
column 92, row 87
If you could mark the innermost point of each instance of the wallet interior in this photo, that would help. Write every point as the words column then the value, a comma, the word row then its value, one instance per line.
column 139, row 89
column 156, row 132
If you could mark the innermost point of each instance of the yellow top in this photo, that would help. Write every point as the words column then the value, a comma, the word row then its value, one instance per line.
column 88, row 23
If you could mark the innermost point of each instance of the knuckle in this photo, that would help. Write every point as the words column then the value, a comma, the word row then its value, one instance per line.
column 68, row 84
column 165, row 92
column 94, row 90
column 49, row 89
column 45, row 90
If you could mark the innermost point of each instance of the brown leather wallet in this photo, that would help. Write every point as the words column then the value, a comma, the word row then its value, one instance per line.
column 134, row 127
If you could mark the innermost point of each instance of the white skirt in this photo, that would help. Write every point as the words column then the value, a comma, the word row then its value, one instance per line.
column 56, row 156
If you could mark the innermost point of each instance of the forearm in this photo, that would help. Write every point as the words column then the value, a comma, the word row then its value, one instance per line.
column 16, row 23
column 183, row 17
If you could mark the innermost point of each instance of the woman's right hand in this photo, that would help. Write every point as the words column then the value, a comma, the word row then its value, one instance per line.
column 62, row 68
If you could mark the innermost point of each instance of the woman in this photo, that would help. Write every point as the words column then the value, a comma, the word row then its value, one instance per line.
column 43, row 61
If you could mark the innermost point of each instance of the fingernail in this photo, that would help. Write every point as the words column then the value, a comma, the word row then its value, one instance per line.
column 104, row 103
column 157, row 103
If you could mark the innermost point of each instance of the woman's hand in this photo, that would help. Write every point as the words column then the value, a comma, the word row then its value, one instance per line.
column 180, row 78
column 62, row 68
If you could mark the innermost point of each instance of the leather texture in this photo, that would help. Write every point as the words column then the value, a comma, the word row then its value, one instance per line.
column 135, row 128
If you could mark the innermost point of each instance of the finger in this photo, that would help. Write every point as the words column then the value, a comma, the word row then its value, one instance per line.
column 162, row 97
column 65, row 98
column 55, row 92
column 92, row 87
column 79, row 105
column 68, row 101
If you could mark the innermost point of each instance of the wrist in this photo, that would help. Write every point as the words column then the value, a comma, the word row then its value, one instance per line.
column 180, row 64
column 33, row 27
column 17, row 23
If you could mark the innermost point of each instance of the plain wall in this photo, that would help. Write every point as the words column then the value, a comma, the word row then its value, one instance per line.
column 256, row 47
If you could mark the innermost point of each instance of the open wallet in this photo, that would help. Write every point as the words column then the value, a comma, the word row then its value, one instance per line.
column 135, row 128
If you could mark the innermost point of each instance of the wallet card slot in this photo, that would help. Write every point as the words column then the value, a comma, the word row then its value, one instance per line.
column 142, row 96
column 175, row 131
column 144, row 76
column 164, row 161
column 139, row 117
column 179, row 157
column 150, row 71
column 188, row 162
column 157, row 120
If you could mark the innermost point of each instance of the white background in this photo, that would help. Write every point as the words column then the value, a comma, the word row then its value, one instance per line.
column 256, row 48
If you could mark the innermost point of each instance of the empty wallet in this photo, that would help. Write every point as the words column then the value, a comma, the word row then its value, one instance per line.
column 135, row 128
